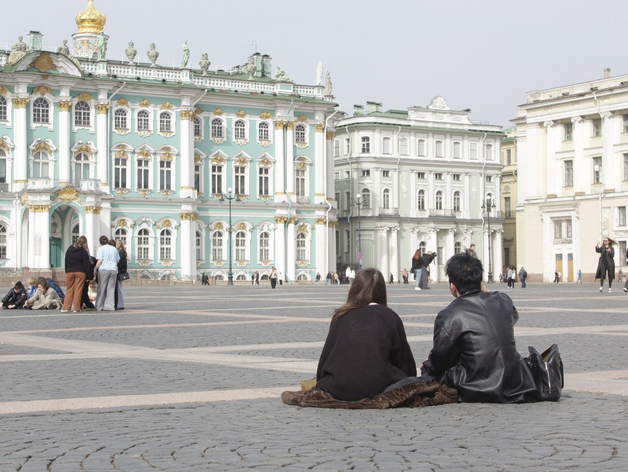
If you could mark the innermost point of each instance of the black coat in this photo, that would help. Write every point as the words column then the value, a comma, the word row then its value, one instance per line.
column 77, row 260
column 474, row 350
column 366, row 351
column 17, row 299
column 122, row 263
column 607, row 259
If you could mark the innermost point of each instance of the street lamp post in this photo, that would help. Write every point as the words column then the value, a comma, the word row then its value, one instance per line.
column 358, row 202
column 489, row 205
column 230, row 198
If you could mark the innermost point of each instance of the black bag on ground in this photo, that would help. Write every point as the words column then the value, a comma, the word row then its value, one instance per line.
column 547, row 371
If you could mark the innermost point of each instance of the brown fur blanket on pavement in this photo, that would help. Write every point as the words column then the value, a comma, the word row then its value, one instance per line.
column 411, row 396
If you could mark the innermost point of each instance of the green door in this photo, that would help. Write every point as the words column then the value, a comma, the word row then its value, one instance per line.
column 56, row 253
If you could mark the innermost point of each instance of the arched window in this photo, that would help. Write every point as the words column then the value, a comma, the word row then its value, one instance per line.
column 120, row 119
column 423, row 247
column 458, row 248
column 263, row 131
column 121, row 234
column 143, row 244
column 264, row 246
column 241, row 277
column 366, row 198
column 301, row 241
column 3, row 108
column 421, row 147
column 457, row 206
column 299, row 134
column 165, row 244
column 217, row 129
column 3, row 242
column 240, row 249
column 82, row 112
column 421, row 200
column 143, row 122
column 239, row 129
column 439, row 200
column 217, row 247
column 386, row 198
column 199, row 246
column 386, row 146
column 165, row 122
column 438, row 149
column 40, row 165
column 41, row 111
column 489, row 152
column 81, row 167
column 75, row 233
column 198, row 127
column 120, row 172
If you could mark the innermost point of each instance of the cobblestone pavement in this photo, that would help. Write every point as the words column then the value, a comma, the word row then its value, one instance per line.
column 188, row 379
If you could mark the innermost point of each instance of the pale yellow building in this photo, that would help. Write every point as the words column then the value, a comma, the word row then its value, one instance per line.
column 572, row 148
column 509, row 197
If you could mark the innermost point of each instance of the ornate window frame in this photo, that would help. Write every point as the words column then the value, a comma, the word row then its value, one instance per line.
column 148, row 225
column 166, row 115
column 7, row 146
column 127, row 119
column 167, row 155
column 89, row 150
column 217, row 129
column 301, row 135
column 8, row 96
column 303, row 233
column 40, row 97
column 46, row 146
column 199, row 161
column 122, row 151
column 171, row 226
column 217, row 160
column 302, row 163
column 265, row 227
column 87, row 99
column 198, row 118
column 267, row 140
column 240, row 133
column 241, row 160
column 222, row 228
column 265, row 161
column 242, row 229
column 147, row 155
column 149, row 111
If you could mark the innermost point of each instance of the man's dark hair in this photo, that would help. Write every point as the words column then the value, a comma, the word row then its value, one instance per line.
column 465, row 272
column 103, row 240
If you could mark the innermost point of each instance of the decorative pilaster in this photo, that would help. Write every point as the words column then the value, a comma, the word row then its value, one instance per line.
column 290, row 160
column 102, row 133
column 319, row 164
column 187, row 156
column 92, row 228
column 394, row 253
column 498, row 253
column 321, row 244
column 331, row 245
column 382, row 244
column 280, row 243
column 188, row 245
column 65, row 107
column 39, row 215
column 21, row 146
column 279, row 167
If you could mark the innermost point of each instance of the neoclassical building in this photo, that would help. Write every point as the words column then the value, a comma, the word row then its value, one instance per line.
column 421, row 175
column 148, row 154
column 572, row 147
column 509, row 197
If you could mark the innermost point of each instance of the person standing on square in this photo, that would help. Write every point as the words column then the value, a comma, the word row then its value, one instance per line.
column 107, row 266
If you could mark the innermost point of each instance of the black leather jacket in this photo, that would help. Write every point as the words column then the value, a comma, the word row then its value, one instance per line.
column 474, row 350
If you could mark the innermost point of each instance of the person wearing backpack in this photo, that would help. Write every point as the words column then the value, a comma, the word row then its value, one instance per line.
column 523, row 275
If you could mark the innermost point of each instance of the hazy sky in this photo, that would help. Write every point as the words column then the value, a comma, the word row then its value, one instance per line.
column 478, row 54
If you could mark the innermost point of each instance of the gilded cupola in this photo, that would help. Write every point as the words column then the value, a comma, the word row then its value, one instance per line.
column 90, row 21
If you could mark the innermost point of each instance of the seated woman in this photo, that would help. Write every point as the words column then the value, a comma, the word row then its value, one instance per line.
column 366, row 350
column 15, row 298
column 45, row 298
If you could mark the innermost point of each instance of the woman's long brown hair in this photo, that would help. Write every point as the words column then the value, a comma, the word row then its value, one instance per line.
column 417, row 254
column 369, row 286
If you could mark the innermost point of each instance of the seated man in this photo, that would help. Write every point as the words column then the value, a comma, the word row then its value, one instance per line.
column 474, row 342
column 15, row 298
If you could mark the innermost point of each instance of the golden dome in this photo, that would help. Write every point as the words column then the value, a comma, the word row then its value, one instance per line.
column 90, row 21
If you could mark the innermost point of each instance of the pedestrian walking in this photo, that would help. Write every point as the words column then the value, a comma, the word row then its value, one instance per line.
column 273, row 277
column 107, row 266
column 579, row 281
column 417, row 269
column 523, row 275
column 404, row 275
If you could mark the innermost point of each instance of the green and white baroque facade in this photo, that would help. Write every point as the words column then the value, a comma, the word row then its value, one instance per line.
column 422, row 175
column 144, row 154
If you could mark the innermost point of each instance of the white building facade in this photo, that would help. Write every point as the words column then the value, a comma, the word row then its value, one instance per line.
column 572, row 148
column 416, row 179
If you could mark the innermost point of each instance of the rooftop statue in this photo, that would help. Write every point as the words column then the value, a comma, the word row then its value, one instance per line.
column 152, row 54
column 101, row 47
column 18, row 51
column 131, row 52
column 281, row 76
column 186, row 55
column 250, row 67
column 204, row 63
column 328, row 85
column 64, row 49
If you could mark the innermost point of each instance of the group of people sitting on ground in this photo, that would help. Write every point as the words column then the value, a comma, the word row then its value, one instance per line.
column 367, row 354
column 42, row 294
column 87, row 278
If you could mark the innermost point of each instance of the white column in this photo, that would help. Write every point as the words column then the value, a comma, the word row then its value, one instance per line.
column 280, row 243
column 433, row 246
column 451, row 244
column 498, row 253
column 188, row 245
column 394, row 253
column 290, row 160
column 42, row 232
column 187, row 156
column 65, row 106
column 467, row 197
column 382, row 244
column 581, row 180
column 92, row 228
column 21, row 147
column 279, row 167
column 329, row 164
column 34, row 240
column 485, row 256
column 331, row 245
column 102, row 136
column 320, row 234
column 551, row 175
column 319, row 165
column 609, row 177
column 291, row 248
